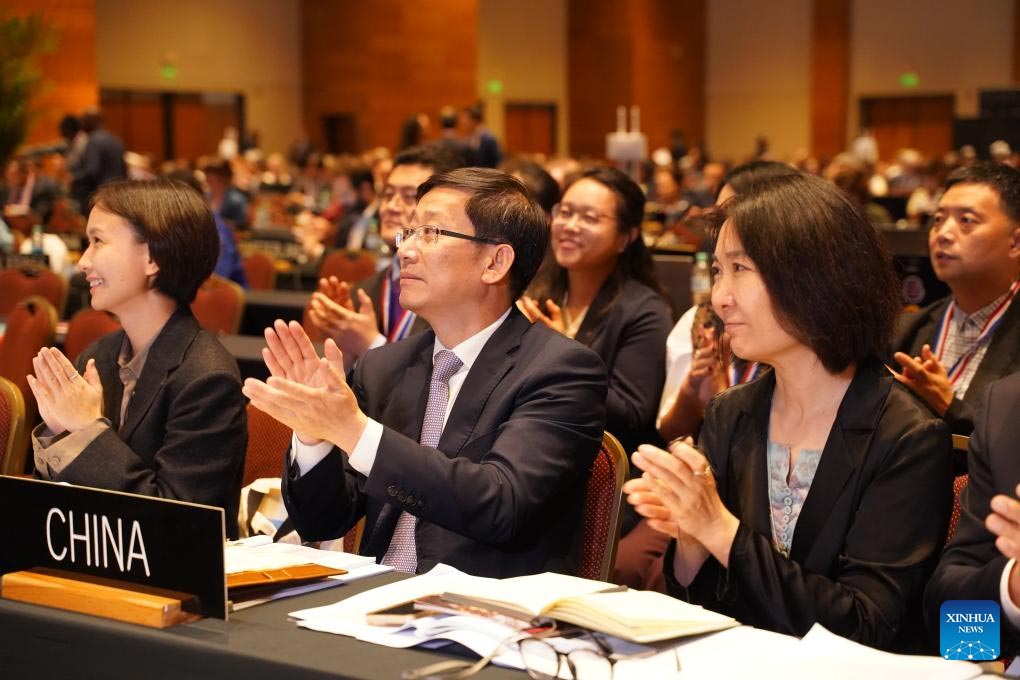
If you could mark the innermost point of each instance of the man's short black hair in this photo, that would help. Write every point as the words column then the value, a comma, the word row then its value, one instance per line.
column 1001, row 178
column 438, row 158
column 501, row 208
column 829, row 275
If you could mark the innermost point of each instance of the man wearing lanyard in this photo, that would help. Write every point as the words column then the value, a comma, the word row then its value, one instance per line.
column 468, row 445
column 378, row 317
column 950, row 351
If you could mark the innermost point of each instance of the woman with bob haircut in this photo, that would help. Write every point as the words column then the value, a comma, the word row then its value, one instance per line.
column 156, row 408
column 602, row 291
column 821, row 491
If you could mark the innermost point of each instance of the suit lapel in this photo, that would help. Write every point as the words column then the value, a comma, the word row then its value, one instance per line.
column 928, row 326
column 844, row 453
column 109, row 374
column 748, row 462
column 165, row 355
column 493, row 363
column 406, row 408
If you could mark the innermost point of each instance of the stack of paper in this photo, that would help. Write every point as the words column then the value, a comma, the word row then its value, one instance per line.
column 259, row 553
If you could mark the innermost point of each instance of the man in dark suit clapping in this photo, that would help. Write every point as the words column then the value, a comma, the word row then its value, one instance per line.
column 468, row 445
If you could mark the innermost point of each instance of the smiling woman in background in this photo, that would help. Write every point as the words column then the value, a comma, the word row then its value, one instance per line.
column 603, row 293
column 823, row 492
column 157, row 408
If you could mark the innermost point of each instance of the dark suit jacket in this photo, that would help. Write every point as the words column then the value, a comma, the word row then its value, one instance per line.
column 185, row 430
column 373, row 285
column 629, row 332
column 971, row 567
column 1002, row 357
column 503, row 494
column 102, row 162
column 869, row 532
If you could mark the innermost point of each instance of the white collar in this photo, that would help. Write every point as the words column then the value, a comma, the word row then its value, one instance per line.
column 468, row 350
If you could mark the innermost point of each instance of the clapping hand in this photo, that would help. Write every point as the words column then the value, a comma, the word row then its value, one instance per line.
column 927, row 377
column 552, row 317
column 306, row 392
column 66, row 400
column 332, row 310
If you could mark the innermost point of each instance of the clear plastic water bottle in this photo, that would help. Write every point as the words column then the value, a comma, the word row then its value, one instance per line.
column 37, row 240
column 701, row 280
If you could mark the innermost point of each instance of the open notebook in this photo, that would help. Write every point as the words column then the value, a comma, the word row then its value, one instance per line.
column 635, row 615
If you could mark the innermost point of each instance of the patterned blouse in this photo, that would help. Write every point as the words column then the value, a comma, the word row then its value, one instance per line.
column 786, row 499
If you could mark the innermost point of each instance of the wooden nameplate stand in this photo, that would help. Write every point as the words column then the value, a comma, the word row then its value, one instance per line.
column 133, row 603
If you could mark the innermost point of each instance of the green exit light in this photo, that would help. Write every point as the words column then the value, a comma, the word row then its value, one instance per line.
column 168, row 72
column 910, row 80
column 495, row 86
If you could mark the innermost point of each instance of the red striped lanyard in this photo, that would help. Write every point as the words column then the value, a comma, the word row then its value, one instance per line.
column 400, row 329
column 991, row 323
column 749, row 374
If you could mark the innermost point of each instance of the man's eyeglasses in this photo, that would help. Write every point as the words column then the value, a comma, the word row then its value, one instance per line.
column 540, row 659
column 428, row 234
column 563, row 212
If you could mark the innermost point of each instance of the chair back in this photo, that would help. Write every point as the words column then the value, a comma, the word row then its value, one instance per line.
column 218, row 306
column 959, row 484
column 13, row 442
column 18, row 284
column 30, row 327
column 602, row 510
column 85, row 327
column 268, row 441
column 348, row 266
column 260, row 270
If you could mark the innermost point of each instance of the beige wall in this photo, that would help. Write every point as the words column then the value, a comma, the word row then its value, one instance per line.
column 955, row 47
column 524, row 44
column 758, row 80
column 246, row 46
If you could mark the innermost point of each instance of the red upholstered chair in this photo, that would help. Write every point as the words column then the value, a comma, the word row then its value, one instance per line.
column 85, row 327
column 260, row 269
column 268, row 441
column 347, row 265
column 602, row 505
column 13, row 444
column 959, row 484
column 960, row 443
column 219, row 305
column 18, row 284
column 30, row 327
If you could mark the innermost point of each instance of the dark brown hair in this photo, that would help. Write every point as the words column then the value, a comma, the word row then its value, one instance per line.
column 501, row 208
column 828, row 273
column 175, row 222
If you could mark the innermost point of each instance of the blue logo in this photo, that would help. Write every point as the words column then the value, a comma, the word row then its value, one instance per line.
column 969, row 630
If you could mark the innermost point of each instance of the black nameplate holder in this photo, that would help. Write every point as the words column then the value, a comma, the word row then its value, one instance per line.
column 101, row 535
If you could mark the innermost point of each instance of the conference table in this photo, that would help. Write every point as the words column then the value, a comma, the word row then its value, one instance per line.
column 259, row 642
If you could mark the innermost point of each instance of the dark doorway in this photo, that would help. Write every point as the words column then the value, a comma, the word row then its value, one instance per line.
column 530, row 128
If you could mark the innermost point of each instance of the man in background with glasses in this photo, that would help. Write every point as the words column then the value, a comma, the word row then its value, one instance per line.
column 469, row 445
column 378, row 317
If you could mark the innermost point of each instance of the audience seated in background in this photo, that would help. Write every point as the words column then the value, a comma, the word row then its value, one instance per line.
column 821, row 491
column 469, row 445
column 227, row 201
column 952, row 349
column 379, row 317
column 228, row 264
column 155, row 409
